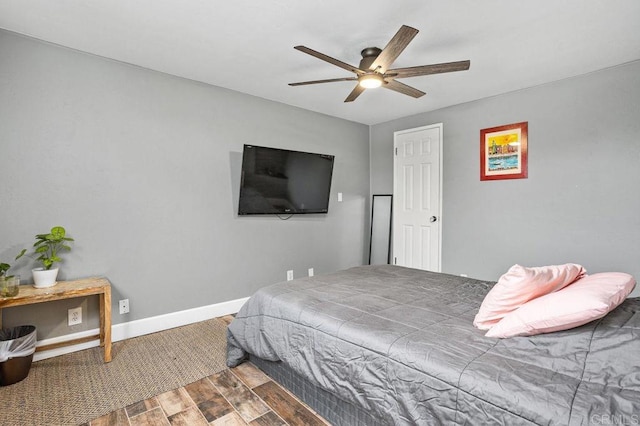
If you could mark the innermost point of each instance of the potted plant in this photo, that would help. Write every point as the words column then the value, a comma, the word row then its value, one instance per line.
column 9, row 283
column 47, row 248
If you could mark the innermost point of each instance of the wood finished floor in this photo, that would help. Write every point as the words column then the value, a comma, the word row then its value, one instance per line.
column 243, row 395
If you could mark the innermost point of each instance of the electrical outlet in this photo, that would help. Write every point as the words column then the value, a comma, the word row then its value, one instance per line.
column 289, row 274
column 310, row 272
column 124, row 306
column 75, row 316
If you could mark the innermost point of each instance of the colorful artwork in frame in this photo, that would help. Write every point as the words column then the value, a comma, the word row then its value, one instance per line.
column 503, row 152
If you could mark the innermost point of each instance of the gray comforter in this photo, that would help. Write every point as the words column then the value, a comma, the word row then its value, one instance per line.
column 400, row 343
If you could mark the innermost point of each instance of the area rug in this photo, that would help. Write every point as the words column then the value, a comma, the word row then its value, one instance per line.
column 75, row 388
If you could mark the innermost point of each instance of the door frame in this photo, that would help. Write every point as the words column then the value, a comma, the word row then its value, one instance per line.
column 441, row 167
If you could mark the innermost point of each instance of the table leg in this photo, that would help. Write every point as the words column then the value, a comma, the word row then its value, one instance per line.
column 101, row 299
column 105, row 323
column 0, row 317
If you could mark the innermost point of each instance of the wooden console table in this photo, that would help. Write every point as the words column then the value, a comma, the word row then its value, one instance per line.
column 29, row 295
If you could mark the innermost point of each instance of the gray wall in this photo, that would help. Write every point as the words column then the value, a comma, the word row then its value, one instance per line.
column 143, row 170
column 581, row 202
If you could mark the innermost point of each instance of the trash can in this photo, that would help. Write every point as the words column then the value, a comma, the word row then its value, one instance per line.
column 17, row 346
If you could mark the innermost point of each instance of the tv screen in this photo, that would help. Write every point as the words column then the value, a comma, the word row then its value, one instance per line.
column 279, row 181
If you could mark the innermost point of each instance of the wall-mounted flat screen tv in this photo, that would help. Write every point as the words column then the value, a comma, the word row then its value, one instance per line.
column 279, row 181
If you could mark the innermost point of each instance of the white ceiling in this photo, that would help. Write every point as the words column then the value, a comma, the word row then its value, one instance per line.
column 248, row 45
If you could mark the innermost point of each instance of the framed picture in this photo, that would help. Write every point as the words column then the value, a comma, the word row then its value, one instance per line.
column 503, row 152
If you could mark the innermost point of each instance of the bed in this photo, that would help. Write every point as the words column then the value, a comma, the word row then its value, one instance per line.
column 382, row 345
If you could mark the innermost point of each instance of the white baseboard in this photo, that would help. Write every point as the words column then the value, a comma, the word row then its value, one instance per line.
column 141, row 327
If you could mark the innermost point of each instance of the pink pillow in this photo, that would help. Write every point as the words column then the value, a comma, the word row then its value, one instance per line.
column 519, row 285
column 589, row 298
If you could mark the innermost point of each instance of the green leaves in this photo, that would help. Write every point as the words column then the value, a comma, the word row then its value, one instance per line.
column 57, row 233
column 4, row 267
column 48, row 245
column 21, row 254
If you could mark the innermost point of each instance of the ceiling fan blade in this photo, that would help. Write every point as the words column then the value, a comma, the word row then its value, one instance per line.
column 355, row 93
column 393, row 49
column 331, row 80
column 329, row 59
column 403, row 88
column 429, row 69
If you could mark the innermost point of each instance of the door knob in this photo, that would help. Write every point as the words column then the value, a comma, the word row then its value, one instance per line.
column 433, row 219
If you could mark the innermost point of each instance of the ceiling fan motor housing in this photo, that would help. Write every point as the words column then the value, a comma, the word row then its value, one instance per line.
column 368, row 56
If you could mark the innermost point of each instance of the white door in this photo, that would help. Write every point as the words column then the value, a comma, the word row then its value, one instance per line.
column 417, row 197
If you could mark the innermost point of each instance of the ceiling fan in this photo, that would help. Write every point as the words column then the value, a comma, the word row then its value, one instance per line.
column 374, row 71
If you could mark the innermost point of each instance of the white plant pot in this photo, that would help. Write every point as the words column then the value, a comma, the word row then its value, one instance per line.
column 43, row 278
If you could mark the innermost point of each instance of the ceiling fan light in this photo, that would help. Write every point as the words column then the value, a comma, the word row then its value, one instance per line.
column 370, row 81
